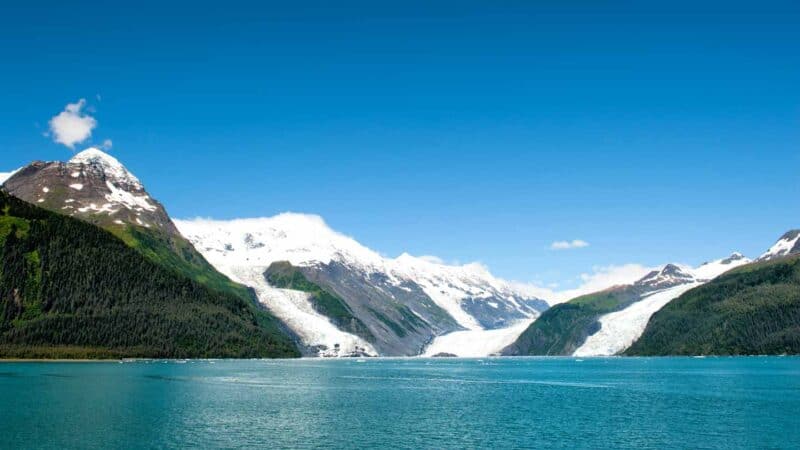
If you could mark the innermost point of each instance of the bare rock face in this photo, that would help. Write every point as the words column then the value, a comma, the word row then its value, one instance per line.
column 92, row 186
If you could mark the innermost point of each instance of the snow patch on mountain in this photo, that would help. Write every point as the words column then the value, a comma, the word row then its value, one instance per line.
column 127, row 199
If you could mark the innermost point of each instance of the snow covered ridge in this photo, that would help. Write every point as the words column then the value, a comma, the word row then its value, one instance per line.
column 620, row 329
column 306, row 240
column 475, row 299
column 788, row 244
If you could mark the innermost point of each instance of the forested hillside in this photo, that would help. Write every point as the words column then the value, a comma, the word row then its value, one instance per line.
column 70, row 289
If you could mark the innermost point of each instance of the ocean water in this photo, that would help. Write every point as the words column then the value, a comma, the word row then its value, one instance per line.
column 499, row 403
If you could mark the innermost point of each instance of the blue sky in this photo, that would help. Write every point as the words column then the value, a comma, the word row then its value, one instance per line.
column 466, row 130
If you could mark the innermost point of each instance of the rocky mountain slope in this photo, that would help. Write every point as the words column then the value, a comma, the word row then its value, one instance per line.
column 607, row 322
column 95, row 187
column 405, row 302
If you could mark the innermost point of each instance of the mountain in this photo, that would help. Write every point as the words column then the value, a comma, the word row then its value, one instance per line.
column 69, row 289
column 788, row 244
column 751, row 310
column 607, row 322
column 95, row 187
column 377, row 304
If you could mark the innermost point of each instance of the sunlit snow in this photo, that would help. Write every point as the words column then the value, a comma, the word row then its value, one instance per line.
column 475, row 343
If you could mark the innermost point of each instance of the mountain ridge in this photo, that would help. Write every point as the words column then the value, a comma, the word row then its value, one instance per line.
column 577, row 326
column 430, row 299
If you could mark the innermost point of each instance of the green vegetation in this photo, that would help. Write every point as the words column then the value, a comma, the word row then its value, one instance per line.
column 563, row 328
column 69, row 289
column 283, row 275
column 178, row 254
column 394, row 326
column 751, row 310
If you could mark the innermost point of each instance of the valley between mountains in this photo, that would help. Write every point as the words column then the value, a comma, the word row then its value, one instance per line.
column 93, row 266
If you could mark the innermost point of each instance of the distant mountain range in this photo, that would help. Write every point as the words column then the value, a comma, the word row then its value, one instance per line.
column 107, row 272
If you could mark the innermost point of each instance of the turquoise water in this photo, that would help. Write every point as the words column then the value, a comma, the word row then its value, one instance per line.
column 404, row 403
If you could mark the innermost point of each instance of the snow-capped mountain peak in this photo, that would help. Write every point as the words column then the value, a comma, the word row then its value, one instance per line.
column 788, row 244
column 668, row 276
column 95, row 159
column 92, row 185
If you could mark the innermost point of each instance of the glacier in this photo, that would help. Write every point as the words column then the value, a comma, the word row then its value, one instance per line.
column 477, row 342
column 620, row 329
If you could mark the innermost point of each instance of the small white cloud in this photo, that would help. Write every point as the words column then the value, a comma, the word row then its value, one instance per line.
column 567, row 245
column 6, row 175
column 107, row 144
column 71, row 126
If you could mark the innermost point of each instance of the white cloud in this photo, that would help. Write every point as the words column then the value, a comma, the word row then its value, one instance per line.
column 71, row 126
column 566, row 245
column 107, row 144
column 6, row 175
column 600, row 278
